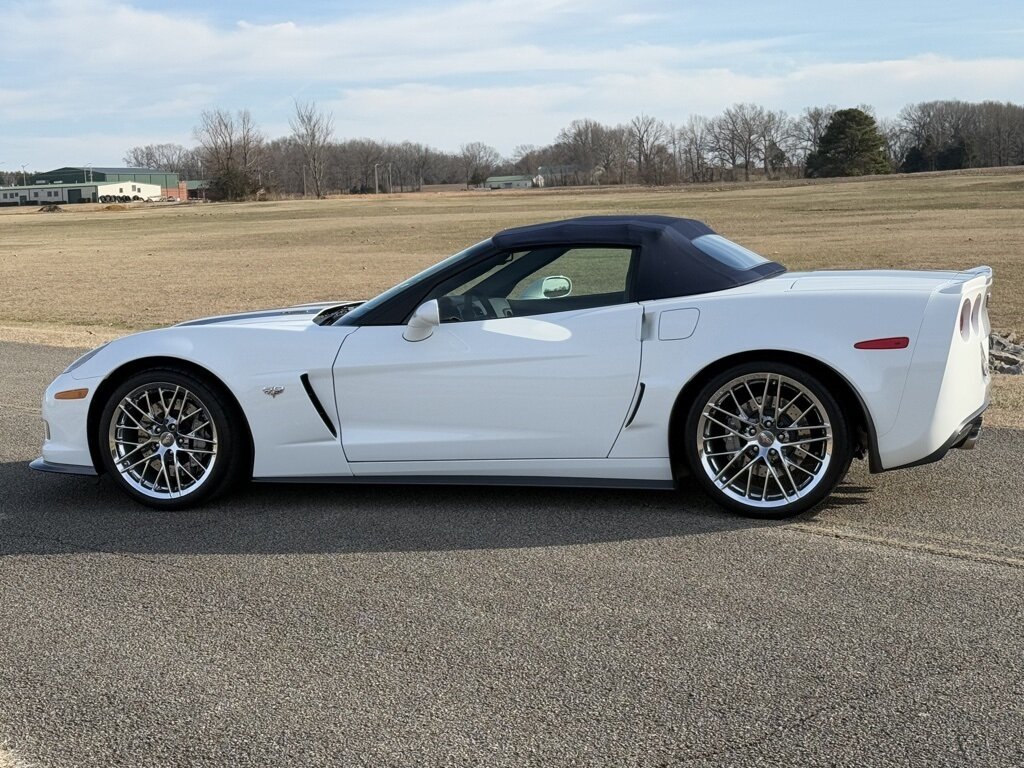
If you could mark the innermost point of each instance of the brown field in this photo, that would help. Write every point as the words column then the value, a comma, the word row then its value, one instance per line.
column 150, row 266
column 89, row 274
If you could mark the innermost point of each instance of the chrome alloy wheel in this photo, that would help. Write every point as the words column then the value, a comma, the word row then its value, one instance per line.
column 764, row 440
column 163, row 440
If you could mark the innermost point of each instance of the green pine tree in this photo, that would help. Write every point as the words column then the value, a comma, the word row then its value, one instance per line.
column 850, row 146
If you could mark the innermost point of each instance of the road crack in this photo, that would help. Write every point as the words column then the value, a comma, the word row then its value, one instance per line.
column 943, row 550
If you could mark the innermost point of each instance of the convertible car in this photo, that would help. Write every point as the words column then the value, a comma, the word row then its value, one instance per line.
column 613, row 351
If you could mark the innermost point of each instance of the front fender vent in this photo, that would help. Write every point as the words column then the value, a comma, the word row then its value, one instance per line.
column 317, row 404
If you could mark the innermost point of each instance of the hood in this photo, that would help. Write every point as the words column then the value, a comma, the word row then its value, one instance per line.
column 301, row 315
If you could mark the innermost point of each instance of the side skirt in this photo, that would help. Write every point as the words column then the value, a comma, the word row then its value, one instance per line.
column 539, row 482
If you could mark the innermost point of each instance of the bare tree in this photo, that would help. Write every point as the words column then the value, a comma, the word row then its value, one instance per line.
column 695, row 144
column 810, row 126
column 580, row 143
column 477, row 159
column 231, row 147
column 173, row 158
column 742, row 123
column 898, row 140
column 646, row 135
column 313, row 130
column 775, row 134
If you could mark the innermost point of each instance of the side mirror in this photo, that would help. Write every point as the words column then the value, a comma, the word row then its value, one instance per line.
column 423, row 321
column 552, row 287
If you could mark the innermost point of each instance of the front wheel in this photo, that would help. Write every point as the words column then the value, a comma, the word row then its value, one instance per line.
column 767, row 440
column 169, row 440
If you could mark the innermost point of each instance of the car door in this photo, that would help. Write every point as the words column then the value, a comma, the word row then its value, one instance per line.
column 536, row 356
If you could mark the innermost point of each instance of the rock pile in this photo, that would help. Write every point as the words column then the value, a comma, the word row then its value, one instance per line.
column 1006, row 354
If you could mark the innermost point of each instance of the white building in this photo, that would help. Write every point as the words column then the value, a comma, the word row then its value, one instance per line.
column 92, row 192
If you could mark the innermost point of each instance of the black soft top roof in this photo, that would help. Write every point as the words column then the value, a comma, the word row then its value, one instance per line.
column 670, row 264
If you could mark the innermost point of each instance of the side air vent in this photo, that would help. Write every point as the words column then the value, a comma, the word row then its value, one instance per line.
column 317, row 404
column 639, row 399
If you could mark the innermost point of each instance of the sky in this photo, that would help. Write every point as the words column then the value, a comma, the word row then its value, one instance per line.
column 81, row 81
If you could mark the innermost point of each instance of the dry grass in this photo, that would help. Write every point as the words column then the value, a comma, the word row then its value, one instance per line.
column 152, row 266
column 91, row 274
column 1007, row 409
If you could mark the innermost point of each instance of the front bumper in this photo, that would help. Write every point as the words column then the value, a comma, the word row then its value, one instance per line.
column 66, row 442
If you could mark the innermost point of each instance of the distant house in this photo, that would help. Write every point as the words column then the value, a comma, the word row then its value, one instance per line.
column 509, row 182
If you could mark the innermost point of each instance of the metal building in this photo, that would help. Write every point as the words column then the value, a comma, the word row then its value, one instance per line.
column 82, row 192
column 169, row 183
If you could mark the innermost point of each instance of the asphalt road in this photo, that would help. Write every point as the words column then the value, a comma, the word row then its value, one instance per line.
column 396, row 627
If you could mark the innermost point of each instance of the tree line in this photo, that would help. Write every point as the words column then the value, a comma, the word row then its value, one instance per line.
column 745, row 142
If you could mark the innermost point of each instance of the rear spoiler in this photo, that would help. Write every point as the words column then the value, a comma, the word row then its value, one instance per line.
column 969, row 280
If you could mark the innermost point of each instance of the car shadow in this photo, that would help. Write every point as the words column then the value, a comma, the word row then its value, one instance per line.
column 53, row 514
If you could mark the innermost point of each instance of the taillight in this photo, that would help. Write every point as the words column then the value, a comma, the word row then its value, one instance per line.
column 965, row 320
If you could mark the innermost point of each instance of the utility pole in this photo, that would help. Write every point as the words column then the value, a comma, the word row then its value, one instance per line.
column 24, row 183
column 376, row 181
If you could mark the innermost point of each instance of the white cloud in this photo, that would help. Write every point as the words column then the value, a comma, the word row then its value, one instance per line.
column 501, row 71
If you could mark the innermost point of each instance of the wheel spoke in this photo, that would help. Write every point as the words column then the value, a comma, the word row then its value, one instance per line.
column 796, row 443
column 712, row 419
column 775, row 477
column 739, row 408
column 184, row 469
column 728, row 465
column 798, row 418
column 184, row 404
column 802, row 469
column 764, row 398
column 753, row 461
column 130, row 453
column 730, row 414
column 724, row 453
column 144, row 459
column 789, row 475
column 808, row 454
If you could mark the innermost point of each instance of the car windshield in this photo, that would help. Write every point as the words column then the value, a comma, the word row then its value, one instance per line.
column 729, row 253
column 426, row 274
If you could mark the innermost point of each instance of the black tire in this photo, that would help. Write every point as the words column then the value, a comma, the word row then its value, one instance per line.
column 229, row 441
column 714, row 444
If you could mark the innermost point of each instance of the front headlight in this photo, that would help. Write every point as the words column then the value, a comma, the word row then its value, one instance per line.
column 84, row 358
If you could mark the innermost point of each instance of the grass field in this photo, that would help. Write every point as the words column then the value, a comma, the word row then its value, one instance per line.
column 113, row 271
column 89, row 274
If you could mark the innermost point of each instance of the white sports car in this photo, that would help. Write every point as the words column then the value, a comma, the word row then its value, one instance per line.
column 615, row 351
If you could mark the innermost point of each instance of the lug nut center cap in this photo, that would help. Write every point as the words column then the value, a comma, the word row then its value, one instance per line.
column 766, row 439
column 167, row 439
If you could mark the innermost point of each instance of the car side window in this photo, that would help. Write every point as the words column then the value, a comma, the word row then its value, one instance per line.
column 538, row 281
column 590, row 271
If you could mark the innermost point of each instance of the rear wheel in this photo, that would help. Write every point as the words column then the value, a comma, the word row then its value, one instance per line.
column 168, row 439
column 767, row 440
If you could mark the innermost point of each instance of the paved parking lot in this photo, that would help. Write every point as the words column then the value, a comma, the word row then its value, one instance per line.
column 431, row 626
